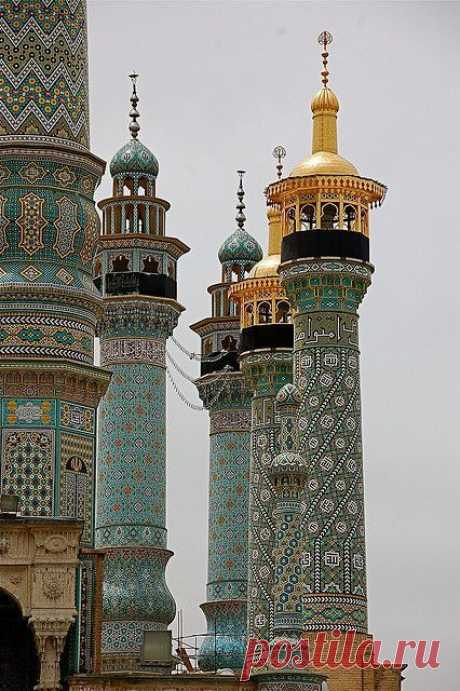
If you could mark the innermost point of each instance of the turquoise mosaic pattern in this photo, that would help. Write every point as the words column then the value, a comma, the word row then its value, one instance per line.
column 225, row 644
column 134, row 157
column 265, row 374
column 48, row 224
column 240, row 246
column 132, row 451
column 135, row 589
column 225, row 610
column 47, row 458
column 43, row 78
column 326, row 294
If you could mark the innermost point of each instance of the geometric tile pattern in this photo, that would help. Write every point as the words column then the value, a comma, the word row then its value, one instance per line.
column 27, row 469
column 56, row 102
column 327, row 294
column 77, row 480
column 265, row 374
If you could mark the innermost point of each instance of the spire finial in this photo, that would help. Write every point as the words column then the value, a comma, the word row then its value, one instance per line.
column 134, row 126
column 240, row 207
column 279, row 152
column 324, row 39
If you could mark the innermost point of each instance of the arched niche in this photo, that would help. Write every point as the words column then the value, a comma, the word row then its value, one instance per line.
column 19, row 660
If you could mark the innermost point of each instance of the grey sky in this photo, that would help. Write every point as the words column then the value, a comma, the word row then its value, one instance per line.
column 222, row 84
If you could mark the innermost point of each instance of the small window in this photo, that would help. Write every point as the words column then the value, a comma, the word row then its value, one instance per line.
column 349, row 217
column 307, row 217
column 120, row 264
column 290, row 220
column 283, row 312
column 151, row 265
column 265, row 313
column 329, row 217
column 249, row 315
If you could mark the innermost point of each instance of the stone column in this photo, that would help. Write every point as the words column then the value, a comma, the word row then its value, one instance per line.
column 229, row 403
column 265, row 371
column 131, row 503
column 326, row 295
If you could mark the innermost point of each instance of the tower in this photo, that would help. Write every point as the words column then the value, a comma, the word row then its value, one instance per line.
column 324, row 207
column 221, row 387
column 49, row 386
column 135, row 271
column 266, row 362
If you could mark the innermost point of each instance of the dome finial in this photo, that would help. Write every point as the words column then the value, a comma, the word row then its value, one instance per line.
column 279, row 152
column 134, row 126
column 324, row 39
column 240, row 207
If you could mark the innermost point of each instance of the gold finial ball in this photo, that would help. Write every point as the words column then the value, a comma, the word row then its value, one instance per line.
column 325, row 38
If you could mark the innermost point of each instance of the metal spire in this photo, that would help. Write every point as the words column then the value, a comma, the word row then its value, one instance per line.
column 134, row 126
column 279, row 152
column 240, row 207
column 324, row 39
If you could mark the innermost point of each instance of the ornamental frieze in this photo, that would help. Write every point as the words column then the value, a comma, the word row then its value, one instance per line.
column 128, row 350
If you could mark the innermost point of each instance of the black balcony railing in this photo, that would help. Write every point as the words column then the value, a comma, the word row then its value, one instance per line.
column 325, row 243
column 267, row 336
column 126, row 282
column 217, row 362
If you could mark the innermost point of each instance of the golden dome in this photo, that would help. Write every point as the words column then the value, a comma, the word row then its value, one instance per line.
column 266, row 268
column 325, row 100
column 324, row 163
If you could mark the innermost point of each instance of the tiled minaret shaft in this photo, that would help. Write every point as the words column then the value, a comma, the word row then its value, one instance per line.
column 136, row 273
column 223, row 392
column 324, row 205
column 49, row 306
column 49, row 386
column 266, row 362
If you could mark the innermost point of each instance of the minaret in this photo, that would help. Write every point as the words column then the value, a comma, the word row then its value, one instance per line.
column 266, row 362
column 222, row 389
column 135, row 270
column 324, row 205
column 50, row 388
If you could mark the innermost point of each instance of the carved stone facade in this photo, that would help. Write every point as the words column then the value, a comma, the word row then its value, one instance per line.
column 38, row 570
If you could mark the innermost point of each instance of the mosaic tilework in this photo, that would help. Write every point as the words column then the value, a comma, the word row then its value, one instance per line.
column 132, row 474
column 20, row 412
column 265, row 374
column 135, row 593
column 326, row 371
column 228, row 511
column 86, row 621
column 225, row 643
column 27, row 469
column 43, row 75
column 77, row 480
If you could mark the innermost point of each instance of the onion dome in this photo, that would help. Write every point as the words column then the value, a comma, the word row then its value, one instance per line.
column 134, row 157
column 240, row 246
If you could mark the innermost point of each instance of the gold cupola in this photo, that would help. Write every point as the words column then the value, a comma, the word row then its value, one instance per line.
column 260, row 297
column 325, row 191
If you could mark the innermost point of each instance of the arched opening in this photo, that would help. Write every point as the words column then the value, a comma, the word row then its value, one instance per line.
column 290, row 220
column 349, row 217
column 19, row 663
column 236, row 273
column 329, row 217
column 264, row 311
column 249, row 315
column 283, row 312
column 143, row 188
column 364, row 222
column 229, row 343
column 151, row 265
column 307, row 217
column 120, row 263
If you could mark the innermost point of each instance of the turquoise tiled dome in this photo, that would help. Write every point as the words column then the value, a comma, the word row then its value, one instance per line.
column 240, row 246
column 134, row 157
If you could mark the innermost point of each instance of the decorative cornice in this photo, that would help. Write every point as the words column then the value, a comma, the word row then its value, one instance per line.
column 133, row 315
column 371, row 190
column 135, row 240
column 82, row 384
column 211, row 324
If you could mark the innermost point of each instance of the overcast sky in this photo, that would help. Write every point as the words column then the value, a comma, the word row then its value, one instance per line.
column 222, row 84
